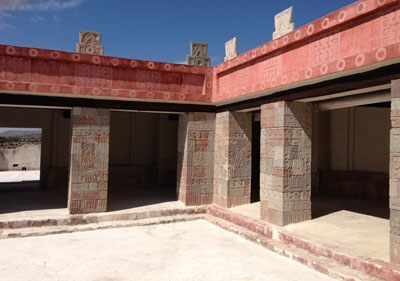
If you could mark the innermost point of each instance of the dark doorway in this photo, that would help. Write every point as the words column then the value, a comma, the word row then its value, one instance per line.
column 143, row 159
column 255, row 162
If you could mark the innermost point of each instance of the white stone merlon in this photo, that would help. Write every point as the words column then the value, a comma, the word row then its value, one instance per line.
column 231, row 49
column 198, row 54
column 283, row 23
column 89, row 43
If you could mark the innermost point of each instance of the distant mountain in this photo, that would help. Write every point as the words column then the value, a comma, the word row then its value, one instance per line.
column 22, row 134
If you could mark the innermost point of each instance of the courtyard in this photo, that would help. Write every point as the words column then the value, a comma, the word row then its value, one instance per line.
column 191, row 251
column 276, row 162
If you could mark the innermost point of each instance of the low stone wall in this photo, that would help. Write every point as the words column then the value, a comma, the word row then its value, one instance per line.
column 19, row 155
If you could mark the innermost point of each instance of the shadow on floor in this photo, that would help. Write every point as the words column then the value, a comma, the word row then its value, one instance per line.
column 126, row 198
column 19, row 201
column 324, row 205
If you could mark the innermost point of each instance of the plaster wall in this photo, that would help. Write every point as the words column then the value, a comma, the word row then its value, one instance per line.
column 351, row 153
column 359, row 139
column 27, row 155
column 143, row 149
column 54, row 153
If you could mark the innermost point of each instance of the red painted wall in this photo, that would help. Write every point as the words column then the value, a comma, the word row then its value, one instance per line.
column 359, row 35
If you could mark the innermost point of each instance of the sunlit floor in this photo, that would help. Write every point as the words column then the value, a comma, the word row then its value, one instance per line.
column 193, row 251
column 353, row 227
column 19, row 176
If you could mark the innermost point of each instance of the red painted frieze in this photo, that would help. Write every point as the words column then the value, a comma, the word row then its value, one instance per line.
column 360, row 35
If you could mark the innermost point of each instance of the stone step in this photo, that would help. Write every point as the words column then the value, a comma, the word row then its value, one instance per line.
column 70, row 220
column 376, row 268
column 319, row 263
column 58, row 229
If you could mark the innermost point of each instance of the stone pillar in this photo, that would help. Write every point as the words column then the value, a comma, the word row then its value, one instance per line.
column 196, row 134
column 88, row 171
column 285, row 168
column 232, row 165
column 394, row 183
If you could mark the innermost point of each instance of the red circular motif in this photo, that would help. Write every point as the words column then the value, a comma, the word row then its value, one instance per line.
column 133, row 63
column 342, row 16
column 324, row 69
column 10, row 85
column 115, row 61
column 33, row 52
column 381, row 54
column 310, row 29
column 55, row 55
column 361, row 7
column 360, row 59
column 10, row 50
column 150, row 65
column 325, row 23
column 341, row 64
column 285, row 40
column 76, row 57
column 96, row 59
column 309, row 73
column 297, row 34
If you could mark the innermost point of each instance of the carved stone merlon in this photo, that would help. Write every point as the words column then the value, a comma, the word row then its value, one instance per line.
column 283, row 23
column 231, row 49
column 198, row 54
column 89, row 43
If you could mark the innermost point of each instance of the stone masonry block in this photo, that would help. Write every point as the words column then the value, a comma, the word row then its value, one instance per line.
column 89, row 161
column 196, row 133
column 394, row 174
column 285, row 166
column 232, row 164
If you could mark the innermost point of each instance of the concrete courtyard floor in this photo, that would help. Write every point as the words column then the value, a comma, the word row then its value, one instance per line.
column 19, row 176
column 192, row 251
column 340, row 225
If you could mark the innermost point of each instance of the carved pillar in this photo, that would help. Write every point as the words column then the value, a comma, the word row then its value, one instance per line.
column 196, row 134
column 198, row 54
column 232, row 171
column 285, row 168
column 394, row 184
column 88, row 171
column 89, row 43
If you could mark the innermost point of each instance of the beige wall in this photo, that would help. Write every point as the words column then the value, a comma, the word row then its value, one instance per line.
column 137, row 140
column 55, row 138
column 359, row 139
column 25, row 156
column 143, row 147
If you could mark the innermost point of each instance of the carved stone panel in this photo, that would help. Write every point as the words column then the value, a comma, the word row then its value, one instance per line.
column 231, row 49
column 89, row 43
column 283, row 23
column 198, row 54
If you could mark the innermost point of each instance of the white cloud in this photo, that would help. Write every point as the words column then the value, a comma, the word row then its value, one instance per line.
column 180, row 62
column 8, row 7
column 4, row 26
column 38, row 5
column 36, row 18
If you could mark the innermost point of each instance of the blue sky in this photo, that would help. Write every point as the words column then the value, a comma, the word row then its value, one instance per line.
column 159, row 30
